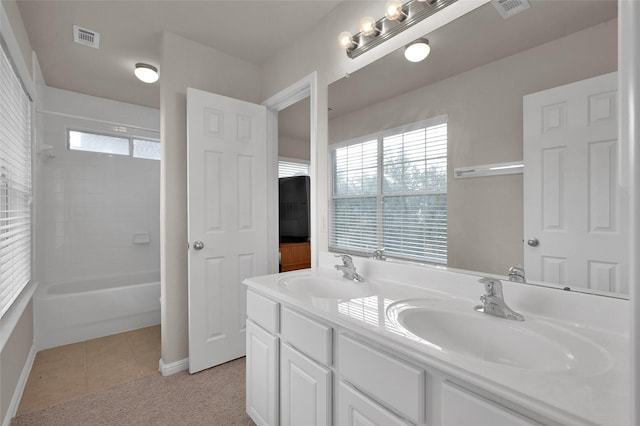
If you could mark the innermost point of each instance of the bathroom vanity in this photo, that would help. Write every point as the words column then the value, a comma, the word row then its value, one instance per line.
column 406, row 347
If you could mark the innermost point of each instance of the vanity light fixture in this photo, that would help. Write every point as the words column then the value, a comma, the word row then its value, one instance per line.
column 417, row 50
column 368, row 26
column 345, row 40
column 393, row 11
column 398, row 17
column 146, row 73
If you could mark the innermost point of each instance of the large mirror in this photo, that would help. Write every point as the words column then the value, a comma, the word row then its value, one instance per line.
column 479, row 69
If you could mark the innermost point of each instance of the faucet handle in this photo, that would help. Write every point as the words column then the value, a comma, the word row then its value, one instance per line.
column 346, row 259
column 492, row 286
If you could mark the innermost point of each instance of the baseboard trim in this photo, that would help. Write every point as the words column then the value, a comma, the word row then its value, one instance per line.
column 20, row 386
column 173, row 367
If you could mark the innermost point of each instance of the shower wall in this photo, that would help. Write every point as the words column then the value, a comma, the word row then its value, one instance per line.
column 89, row 206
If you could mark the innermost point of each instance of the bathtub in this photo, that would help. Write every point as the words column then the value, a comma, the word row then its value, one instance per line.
column 75, row 311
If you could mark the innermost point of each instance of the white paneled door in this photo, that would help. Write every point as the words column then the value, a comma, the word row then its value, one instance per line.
column 574, row 209
column 227, row 232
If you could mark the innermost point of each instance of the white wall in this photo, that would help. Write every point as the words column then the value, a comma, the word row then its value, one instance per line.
column 91, row 204
column 484, row 108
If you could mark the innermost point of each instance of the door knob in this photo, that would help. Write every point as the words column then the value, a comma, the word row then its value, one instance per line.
column 533, row 242
column 198, row 245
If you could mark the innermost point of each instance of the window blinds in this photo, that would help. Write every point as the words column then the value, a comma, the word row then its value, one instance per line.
column 292, row 168
column 391, row 192
column 15, row 185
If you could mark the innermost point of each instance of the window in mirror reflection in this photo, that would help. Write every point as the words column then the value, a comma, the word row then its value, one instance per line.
column 292, row 167
column 389, row 190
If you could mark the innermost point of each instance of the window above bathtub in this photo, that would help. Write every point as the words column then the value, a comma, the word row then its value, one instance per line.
column 80, row 140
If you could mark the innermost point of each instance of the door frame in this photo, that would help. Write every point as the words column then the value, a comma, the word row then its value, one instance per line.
column 307, row 87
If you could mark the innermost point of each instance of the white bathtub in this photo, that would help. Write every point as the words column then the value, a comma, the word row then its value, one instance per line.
column 75, row 311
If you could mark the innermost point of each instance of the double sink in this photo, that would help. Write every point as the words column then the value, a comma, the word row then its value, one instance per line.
column 450, row 325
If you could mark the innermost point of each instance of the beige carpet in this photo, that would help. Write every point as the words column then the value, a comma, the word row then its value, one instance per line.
column 212, row 397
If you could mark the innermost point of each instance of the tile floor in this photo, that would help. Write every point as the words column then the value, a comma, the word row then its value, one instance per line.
column 70, row 371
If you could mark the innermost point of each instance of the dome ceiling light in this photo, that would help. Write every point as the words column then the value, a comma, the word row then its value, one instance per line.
column 146, row 73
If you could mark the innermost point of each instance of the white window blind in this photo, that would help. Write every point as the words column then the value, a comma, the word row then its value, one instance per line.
column 391, row 192
column 15, row 185
column 288, row 168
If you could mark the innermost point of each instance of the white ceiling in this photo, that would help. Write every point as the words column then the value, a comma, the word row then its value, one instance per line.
column 130, row 32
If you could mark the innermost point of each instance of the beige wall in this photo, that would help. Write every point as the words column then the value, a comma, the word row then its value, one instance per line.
column 484, row 108
column 14, row 356
column 293, row 148
column 186, row 64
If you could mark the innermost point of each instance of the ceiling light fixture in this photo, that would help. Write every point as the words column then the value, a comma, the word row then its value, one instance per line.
column 398, row 17
column 417, row 50
column 146, row 73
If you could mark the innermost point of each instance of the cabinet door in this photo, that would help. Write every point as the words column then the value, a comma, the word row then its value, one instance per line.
column 262, row 375
column 463, row 408
column 305, row 390
column 355, row 409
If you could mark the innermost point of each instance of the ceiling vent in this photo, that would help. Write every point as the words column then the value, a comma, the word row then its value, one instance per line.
column 508, row 8
column 86, row 37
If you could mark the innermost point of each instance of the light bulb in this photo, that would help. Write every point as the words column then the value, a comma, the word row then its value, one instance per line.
column 393, row 10
column 368, row 26
column 418, row 50
column 146, row 73
column 345, row 40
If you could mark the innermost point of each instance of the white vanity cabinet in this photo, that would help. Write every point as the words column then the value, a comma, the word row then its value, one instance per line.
column 305, row 390
column 302, row 369
column 262, row 375
column 289, row 357
column 305, row 375
column 262, row 381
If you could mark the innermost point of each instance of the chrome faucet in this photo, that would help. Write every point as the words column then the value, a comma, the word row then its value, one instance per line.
column 378, row 254
column 348, row 268
column 493, row 301
column 516, row 273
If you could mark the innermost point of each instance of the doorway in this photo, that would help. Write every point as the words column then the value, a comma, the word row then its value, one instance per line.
column 294, row 184
column 288, row 105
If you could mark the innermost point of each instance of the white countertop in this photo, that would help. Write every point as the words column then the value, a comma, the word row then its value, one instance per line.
column 579, row 397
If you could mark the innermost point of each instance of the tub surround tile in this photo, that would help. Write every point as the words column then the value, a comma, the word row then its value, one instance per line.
column 70, row 371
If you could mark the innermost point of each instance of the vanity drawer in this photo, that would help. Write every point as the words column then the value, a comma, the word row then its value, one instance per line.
column 356, row 409
column 263, row 311
column 463, row 408
column 307, row 335
column 395, row 383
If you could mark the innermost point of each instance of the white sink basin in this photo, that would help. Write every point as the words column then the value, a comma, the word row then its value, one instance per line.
column 532, row 345
column 328, row 287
